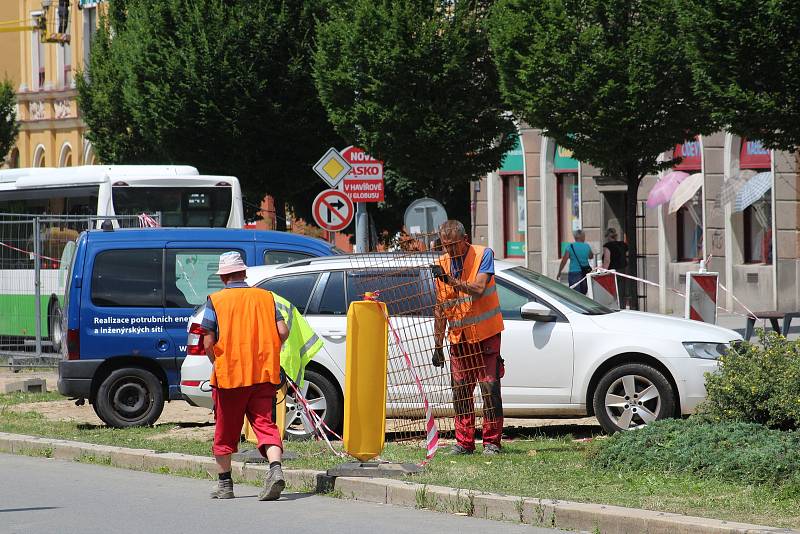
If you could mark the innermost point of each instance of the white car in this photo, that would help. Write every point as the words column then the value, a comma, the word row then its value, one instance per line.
column 565, row 354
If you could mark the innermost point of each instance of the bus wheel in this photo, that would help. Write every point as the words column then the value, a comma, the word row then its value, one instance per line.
column 55, row 325
column 130, row 396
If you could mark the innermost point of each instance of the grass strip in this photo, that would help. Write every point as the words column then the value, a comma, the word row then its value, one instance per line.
column 553, row 468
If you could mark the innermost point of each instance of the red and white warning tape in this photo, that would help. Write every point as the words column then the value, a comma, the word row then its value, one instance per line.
column 27, row 252
column 320, row 428
column 431, row 430
column 648, row 282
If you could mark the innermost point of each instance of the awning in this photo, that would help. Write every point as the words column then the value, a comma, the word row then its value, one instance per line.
column 685, row 191
column 731, row 186
column 662, row 191
column 753, row 190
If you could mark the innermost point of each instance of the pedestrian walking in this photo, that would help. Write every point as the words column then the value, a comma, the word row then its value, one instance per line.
column 578, row 254
column 243, row 338
column 467, row 305
column 615, row 257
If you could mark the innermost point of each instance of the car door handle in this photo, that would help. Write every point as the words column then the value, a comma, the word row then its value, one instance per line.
column 333, row 334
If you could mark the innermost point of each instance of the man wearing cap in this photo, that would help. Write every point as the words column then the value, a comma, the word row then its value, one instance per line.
column 243, row 341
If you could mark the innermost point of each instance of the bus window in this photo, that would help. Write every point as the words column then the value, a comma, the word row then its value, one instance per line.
column 177, row 206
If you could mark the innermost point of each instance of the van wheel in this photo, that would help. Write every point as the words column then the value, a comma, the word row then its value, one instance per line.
column 323, row 397
column 130, row 396
column 632, row 395
column 54, row 324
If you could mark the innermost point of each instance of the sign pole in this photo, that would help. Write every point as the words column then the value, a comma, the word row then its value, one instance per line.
column 362, row 225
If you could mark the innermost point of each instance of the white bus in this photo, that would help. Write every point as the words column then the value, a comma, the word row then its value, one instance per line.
column 177, row 193
column 70, row 199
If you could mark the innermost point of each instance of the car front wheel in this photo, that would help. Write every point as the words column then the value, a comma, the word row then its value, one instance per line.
column 632, row 395
column 322, row 397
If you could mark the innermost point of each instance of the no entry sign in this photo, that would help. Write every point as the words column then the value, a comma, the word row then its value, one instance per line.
column 332, row 210
column 364, row 182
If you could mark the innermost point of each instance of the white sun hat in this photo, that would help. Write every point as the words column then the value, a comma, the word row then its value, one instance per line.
column 230, row 262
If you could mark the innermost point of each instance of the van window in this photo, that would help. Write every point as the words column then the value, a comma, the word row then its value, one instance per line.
column 406, row 291
column 296, row 288
column 333, row 301
column 189, row 275
column 278, row 257
column 128, row 278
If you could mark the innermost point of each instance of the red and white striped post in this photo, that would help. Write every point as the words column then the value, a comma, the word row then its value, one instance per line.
column 701, row 296
column 603, row 289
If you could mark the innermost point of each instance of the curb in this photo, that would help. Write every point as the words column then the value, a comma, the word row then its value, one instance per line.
column 602, row 518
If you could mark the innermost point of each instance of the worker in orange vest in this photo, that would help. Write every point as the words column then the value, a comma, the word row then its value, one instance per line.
column 244, row 334
column 467, row 302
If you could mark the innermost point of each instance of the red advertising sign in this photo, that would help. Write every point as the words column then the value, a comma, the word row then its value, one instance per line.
column 364, row 183
column 754, row 156
column 691, row 154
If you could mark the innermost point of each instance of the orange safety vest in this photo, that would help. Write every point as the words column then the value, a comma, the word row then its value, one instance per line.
column 478, row 318
column 248, row 350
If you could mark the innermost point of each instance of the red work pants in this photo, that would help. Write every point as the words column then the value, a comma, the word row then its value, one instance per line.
column 471, row 364
column 232, row 405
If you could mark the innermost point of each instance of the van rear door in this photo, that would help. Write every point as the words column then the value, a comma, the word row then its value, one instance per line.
column 121, row 309
column 188, row 280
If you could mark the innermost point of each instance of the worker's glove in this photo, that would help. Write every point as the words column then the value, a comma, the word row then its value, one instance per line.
column 438, row 357
column 501, row 367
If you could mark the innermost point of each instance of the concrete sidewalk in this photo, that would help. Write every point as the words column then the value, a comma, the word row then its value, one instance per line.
column 532, row 511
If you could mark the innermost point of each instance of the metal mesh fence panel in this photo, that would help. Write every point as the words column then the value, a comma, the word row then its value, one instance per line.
column 405, row 281
column 35, row 254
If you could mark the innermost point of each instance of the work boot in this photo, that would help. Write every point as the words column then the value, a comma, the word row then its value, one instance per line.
column 491, row 449
column 224, row 490
column 273, row 485
column 458, row 450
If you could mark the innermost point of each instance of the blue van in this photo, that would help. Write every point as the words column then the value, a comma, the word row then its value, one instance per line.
column 129, row 294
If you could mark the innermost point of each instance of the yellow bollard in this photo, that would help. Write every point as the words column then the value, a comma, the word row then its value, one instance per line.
column 280, row 418
column 365, row 379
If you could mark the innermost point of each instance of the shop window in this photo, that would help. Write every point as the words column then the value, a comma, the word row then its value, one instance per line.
column 567, row 208
column 757, row 222
column 689, row 220
column 514, row 216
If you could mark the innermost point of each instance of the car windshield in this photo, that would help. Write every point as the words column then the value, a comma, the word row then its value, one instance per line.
column 568, row 297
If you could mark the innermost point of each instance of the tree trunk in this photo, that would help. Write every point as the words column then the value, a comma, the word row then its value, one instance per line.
column 631, row 201
column 280, row 212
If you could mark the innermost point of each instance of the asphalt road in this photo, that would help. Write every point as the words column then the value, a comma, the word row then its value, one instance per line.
column 45, row 495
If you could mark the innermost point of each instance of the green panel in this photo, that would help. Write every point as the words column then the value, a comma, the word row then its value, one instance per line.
column 515, row 248
column 563, row 160
column 19, row 313
column 512, row 160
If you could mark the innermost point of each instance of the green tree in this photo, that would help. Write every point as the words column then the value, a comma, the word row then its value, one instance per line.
column 412, row 82
column 604, row 78
column 219, row 84
column 9, row 126
column 745, row 55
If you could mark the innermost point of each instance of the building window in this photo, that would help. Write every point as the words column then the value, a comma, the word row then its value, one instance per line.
column 757, row 221
column 37, row 55
column 514, row 216
column 567, row 208
column 89, row 31
column 689, row 220
column 64, row 54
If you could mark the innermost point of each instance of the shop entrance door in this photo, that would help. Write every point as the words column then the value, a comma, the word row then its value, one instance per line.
column 613, row 215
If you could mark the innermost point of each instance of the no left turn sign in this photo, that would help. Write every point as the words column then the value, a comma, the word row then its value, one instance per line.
column 333, row 210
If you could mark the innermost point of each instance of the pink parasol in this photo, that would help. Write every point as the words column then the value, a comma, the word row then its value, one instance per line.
column 664, row 188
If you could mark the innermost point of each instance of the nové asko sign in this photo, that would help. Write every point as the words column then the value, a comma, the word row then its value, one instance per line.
column 365, row 182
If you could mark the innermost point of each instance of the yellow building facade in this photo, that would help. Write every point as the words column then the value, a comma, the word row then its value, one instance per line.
column 52, row 133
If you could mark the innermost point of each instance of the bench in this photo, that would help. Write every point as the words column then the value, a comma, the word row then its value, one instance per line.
column 772, row 317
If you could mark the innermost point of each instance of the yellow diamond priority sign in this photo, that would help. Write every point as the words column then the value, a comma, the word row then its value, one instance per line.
column 332, row 167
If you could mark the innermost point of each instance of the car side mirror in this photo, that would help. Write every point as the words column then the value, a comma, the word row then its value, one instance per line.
column 533, row 311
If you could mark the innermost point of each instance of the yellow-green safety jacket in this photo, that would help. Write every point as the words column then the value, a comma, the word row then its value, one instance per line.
column 302, row 343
